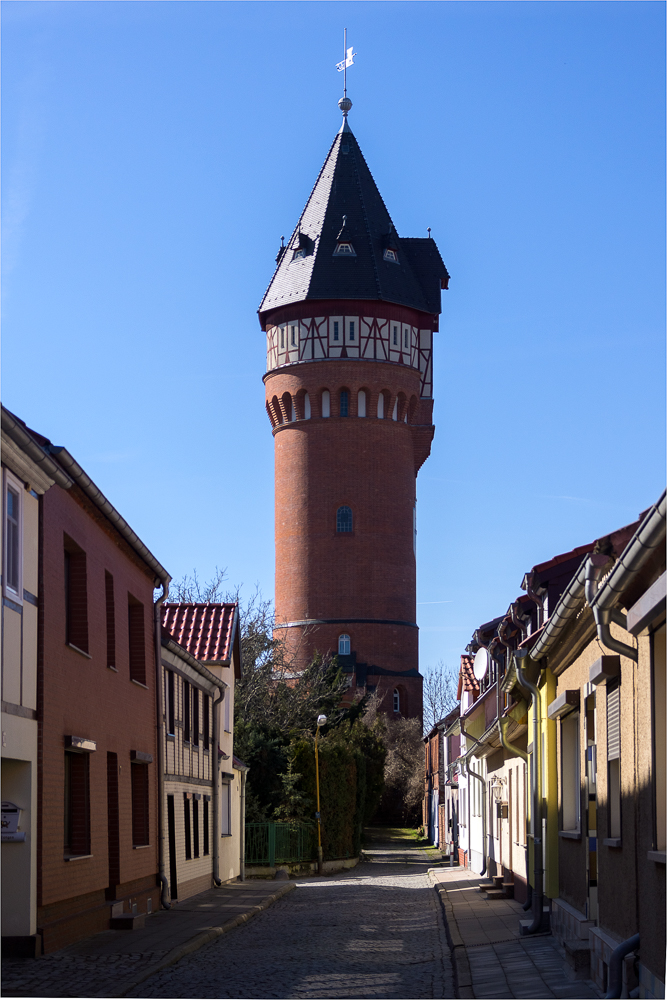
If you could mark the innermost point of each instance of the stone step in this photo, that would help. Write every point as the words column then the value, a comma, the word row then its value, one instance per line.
column 495, row 894
column 497, row 880
column 483, row 886
column 508, row 889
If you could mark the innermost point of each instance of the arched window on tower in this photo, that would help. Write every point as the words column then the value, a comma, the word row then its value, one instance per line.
column 344, row 519
column 344, row 402
column 306, row 407
column 326, row 403
column 397, row 700
column 343, row 645
column 361, row 403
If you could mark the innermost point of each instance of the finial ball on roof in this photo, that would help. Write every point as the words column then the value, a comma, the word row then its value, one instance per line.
column 345, row 104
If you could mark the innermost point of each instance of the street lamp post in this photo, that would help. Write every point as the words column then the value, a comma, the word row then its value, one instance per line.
column 321, row 719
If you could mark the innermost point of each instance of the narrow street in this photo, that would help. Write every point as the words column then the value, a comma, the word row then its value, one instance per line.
column 374, row 932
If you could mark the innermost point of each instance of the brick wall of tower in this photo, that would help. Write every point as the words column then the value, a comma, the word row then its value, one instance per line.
column 370, row 465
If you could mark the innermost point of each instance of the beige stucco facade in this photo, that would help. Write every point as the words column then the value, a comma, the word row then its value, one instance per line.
column 22, row 485
column 611, row 862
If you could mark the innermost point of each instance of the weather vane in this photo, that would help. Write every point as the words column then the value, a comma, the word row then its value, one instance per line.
column 348, row 60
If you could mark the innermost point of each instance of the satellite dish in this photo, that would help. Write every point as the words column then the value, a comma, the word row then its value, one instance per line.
column 481, row 663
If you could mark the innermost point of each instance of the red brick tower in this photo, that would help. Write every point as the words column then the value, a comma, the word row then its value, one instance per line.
column 349, row 317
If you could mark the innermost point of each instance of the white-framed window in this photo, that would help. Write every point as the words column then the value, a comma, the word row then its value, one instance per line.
column 336, row 330
column 406, row 338
column 351, row 330
column 282, row 338
column 292, row 335
column 225, row 809
column 344, row 250
column 569, row 772
column 391, row 255
column 344, row 645
column 12, row 570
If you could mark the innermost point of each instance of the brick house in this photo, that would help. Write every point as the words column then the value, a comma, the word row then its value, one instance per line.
column 97, row 844
column 440, row 805
column 203, row 782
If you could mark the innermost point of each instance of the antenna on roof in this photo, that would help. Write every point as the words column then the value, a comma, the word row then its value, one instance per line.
column 428, row 230
column 348, row 60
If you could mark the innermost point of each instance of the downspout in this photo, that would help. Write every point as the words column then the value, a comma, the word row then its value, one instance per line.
column 616, row 966
column 473, row 774
column 157, row 609
column 216, row 783
column 604, row 616
column 538, row 870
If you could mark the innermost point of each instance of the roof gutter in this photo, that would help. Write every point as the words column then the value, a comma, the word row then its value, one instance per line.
column 85, row 483
column 649, row 535
column 35, row 452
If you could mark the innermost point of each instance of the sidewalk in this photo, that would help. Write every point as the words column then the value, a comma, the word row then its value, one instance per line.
column 490, row 958
column 113, row 963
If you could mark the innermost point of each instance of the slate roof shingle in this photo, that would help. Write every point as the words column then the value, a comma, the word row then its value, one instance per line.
column 345, row 187
column 205, row 630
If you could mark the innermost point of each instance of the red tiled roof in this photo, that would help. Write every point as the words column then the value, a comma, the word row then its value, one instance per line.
column 205, row 630
column 467, row 679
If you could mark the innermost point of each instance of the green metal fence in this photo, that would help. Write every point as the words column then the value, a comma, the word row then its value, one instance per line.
column 278, row 843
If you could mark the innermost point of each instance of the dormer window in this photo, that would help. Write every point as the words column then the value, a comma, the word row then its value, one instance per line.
column 344, row 250
column 391, row 255
column 304, row 247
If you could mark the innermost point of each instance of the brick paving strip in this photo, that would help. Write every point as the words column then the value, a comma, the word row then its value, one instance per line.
column 490, row 958
column 121, row 960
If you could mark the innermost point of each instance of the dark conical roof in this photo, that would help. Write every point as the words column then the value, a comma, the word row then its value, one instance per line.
column 346, row 206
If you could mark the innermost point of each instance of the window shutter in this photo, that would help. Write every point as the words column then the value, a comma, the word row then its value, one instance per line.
column 613, row 722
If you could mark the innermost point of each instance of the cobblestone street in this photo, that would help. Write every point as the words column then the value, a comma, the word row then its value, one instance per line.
column 377, row 932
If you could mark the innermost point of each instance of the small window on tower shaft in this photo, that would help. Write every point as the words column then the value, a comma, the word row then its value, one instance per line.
column 293, row 335
column 351, row 331
column 343, row 403
column 395, row 336
column 282, row 336
column 335, row 329
column 344, row 519
column 397, row 700
column 406, row 338
column 343, row 645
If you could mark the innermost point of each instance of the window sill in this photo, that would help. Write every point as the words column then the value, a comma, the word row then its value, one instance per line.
column 657, row 856
column 570, row 834
column 139, row 684
column 77, row 650
column 109, row 667
column 76, row 857
column 171, row 736
column 612, row 841
column 140, row 847
column 226, row 834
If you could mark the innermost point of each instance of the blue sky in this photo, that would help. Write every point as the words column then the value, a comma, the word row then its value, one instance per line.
column 153, row 155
